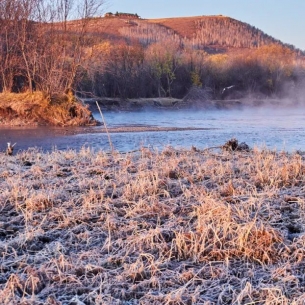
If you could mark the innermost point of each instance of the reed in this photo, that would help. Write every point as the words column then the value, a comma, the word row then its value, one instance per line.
column 105, row 124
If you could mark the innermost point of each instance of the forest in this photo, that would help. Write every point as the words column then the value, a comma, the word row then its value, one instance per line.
column 42, row 49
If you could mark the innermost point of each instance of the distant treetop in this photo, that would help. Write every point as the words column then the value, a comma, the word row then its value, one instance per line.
column 124, row 15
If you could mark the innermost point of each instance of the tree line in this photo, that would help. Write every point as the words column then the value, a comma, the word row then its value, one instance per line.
column 166, row 69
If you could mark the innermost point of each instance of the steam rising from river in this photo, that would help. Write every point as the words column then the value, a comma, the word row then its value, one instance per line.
column 274, row 123
column 275, row 126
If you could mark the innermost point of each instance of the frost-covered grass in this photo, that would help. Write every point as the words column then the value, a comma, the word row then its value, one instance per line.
column 170, row 227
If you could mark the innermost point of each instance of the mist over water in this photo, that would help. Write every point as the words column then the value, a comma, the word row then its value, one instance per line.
column 274, row 128
column 280, row 128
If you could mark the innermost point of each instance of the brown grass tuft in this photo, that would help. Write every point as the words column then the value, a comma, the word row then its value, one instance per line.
column 39, row 109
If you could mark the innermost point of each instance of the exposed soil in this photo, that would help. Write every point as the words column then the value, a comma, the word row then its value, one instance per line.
column 175, row 227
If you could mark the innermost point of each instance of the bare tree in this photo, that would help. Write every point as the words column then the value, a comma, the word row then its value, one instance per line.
column 40, row 43
column 9, row 59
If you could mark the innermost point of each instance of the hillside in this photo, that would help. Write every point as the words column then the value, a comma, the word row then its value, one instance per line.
column 210, row 33
column 217, row 30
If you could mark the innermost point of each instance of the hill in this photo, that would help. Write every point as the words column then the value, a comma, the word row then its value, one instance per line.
column 210, row 33
column 219, row 31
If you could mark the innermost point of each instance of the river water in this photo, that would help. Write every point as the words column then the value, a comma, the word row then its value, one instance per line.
column 281, row 129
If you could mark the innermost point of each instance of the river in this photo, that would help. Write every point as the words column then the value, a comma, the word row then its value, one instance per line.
column 281, row 129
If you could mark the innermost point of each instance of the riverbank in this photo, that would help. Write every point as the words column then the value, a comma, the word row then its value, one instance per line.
column 164, row 103
column 175, row 227
column 118, row 104
column 107, row 103
column 38, row 109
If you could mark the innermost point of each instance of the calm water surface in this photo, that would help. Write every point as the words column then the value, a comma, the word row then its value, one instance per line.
column 281, row 129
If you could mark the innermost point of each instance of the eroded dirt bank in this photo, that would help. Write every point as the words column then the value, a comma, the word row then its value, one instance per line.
column 175, row 227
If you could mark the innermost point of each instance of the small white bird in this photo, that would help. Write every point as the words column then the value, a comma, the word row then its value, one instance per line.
column 10, row 149
column 227, row 88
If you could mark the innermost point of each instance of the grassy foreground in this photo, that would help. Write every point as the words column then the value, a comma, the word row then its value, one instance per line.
column 170, row 227
column 38, row 109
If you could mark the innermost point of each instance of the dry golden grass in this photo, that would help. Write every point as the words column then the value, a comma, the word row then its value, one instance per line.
column 110, row 28
column 184, row 26
column 38, row 109
column 170, row 227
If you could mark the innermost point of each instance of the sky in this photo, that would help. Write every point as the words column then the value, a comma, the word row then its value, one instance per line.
column 282, row 19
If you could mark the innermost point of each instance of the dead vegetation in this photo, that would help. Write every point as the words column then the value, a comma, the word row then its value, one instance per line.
column 170, row 227
column 39, row 109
